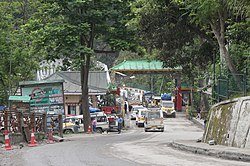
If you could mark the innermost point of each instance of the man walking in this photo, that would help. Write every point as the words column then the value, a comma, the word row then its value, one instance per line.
column 119, row 120
column 125, row 107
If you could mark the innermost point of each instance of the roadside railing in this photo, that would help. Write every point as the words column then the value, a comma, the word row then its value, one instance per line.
column 17, row 122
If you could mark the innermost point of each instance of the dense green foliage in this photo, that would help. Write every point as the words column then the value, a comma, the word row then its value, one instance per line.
column 16, row 60
column 69, row 30
column 186, row 33
column 183, row 33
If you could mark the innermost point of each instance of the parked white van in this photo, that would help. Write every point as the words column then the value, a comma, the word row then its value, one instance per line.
column 74, row 124
column 102, row 121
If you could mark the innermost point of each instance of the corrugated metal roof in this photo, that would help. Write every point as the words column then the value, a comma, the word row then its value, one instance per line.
column 22, row 83
column 142, row 65
column 97, row 81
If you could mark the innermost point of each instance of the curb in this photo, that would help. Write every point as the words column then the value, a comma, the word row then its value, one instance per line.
column 212, row 152
column 197, row 123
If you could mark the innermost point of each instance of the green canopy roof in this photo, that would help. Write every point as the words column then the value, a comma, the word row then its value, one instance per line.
column 20, row 98
column 142, row 66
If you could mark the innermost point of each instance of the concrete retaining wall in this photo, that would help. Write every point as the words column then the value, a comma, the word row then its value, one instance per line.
column 229, row 123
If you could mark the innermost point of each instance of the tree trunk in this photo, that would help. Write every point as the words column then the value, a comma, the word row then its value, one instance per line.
column 84, row 86
column 85, row 57
column 204, row 104
column 219, row 32
column 85, row 97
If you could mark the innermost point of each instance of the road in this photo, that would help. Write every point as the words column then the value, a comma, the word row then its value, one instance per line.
column 132, row 147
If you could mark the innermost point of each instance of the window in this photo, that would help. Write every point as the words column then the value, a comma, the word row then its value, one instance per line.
column 101, row 119
column 71, row 109
column 154, row 115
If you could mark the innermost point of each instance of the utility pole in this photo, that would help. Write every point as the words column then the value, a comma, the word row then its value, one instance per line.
column 9, row 79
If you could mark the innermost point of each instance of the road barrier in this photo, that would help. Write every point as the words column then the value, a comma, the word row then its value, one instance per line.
column 19, row 125
column 7, row 145
column 32, row 141
column 89, row 130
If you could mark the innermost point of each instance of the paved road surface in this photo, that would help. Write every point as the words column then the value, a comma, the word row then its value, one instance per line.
column 133, row 147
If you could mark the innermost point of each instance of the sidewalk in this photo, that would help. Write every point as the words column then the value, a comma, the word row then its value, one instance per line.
column 220, row 151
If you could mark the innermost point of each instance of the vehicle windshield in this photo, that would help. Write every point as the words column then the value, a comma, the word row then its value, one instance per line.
column 167, row 104
column 143, row 113
column 137, row 107
column 70, row 120
column 154, row 115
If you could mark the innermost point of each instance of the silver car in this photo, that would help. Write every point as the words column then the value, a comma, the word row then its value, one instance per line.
column 154, row 121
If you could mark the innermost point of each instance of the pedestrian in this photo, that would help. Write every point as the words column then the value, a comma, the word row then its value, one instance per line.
column 130, row 108
column 205, row 124
column 125, row 107
column 198, row 113
column 94, row 125
column 119, row 120
column 113, row 111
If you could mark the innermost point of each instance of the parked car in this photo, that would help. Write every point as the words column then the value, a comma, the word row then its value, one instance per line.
column 72, row 124
column 134, row 111
column 154, row 121
column 140, row 118
column 133, row 115
column 102, row 121
column 113, row 124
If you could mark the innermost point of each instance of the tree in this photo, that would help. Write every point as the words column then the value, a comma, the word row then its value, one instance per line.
column 16, row 63
column 164, row 26
column 184, row 32
column 215, row 15
column 69, row 29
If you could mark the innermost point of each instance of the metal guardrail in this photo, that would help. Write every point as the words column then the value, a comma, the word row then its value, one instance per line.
column 227, row 87
column 16, row 121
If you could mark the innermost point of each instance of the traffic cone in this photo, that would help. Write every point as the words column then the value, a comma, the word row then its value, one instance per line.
column 32, row 140
column 7, row 145
column 50, row 138
column 89, row 130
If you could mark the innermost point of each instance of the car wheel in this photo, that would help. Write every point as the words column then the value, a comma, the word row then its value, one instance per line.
column 68, row 131
column 174, row 115
column 99, row 130
column 165, row 115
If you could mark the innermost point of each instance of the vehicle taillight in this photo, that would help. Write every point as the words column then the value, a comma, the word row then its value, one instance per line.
column 111, row 119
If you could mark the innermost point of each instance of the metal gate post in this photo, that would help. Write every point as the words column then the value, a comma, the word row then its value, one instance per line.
column 5, row 118
column 60, row 125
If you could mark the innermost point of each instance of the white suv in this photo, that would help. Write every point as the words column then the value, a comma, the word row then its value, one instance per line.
column 134, row 111
column 140, row 118
column 154, row 121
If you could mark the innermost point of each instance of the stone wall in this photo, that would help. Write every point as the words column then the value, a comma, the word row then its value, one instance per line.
column 229, row 123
